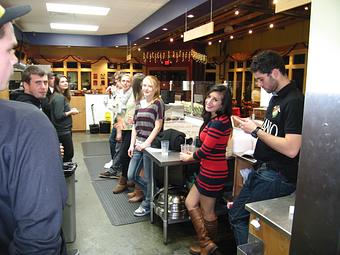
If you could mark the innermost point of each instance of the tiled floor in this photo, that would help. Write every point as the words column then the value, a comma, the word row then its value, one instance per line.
column 96, row 235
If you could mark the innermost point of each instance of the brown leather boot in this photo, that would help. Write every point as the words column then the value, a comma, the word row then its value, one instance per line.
column 138, row 195
column 121, row 186
column 131, row 194
column 207, row 246
column 212, row 228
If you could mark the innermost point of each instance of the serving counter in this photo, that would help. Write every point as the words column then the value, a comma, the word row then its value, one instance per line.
column 271, row 221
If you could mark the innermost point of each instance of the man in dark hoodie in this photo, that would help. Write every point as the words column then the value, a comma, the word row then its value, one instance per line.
column 35, row 83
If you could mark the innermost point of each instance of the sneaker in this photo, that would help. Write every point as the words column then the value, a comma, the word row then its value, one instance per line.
column 108, row 164
column 74, row 252
column 108, row 174
column 141, row 212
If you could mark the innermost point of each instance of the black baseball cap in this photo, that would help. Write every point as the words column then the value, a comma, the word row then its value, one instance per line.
column 11, row 13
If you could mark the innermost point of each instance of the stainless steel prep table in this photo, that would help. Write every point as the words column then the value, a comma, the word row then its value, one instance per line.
column 273, row 213
column 172, row 159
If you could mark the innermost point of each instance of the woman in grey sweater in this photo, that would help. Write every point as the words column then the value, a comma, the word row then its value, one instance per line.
column 61, row 115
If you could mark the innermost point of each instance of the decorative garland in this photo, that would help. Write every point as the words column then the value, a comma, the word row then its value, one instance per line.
column 76, row 58
column 174, row 55
column 198, row 57
column 283, row 51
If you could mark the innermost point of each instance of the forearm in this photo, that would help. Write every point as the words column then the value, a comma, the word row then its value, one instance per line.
column 153, row 133
column 133, row 137
column 288, row 145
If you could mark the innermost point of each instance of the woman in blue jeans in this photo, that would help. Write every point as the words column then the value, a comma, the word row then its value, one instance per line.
column 148, row 122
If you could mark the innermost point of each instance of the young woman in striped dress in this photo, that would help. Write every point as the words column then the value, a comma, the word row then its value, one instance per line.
column 214, row 135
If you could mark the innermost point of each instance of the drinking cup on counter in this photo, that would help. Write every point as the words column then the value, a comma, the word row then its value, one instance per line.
column 165, row 147
column 191, row 148
column 187, row 148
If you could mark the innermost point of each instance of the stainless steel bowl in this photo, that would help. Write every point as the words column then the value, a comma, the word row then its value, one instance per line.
column 176, row 203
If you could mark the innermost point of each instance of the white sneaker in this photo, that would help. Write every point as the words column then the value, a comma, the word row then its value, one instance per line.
column 108, row 164
column 140, row 211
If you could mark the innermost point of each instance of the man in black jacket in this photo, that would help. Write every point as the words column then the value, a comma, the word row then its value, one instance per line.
column 35, row 85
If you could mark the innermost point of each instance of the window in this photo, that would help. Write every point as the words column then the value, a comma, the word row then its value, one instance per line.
column 231, row 65
column 111, row 65
column 72, row 65
column 137, row 66
column 57, row 65
column 73, row 79
column 211, row 66
column 299, row 59
column 125, row 66
column 85, row 65
column 85, row 80
column 298, row 77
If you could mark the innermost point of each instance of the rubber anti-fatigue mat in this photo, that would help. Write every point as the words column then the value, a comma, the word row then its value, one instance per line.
column 117, row 207
column 95, row 165
column 98, row 148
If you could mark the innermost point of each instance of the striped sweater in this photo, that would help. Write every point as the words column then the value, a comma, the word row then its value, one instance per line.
column 213, row 164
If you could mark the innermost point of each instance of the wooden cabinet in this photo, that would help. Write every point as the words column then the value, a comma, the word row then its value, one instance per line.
column 271, row 222
column 79, row 120
column 240, row 163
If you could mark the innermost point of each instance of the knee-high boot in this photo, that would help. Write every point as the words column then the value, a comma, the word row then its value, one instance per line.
column 207, row 246
column 212, row 228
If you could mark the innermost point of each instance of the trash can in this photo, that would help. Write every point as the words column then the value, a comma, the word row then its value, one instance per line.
column 69, row 214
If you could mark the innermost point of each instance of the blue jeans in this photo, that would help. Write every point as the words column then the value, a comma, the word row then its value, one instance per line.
column 262, row 184
column 138, row 161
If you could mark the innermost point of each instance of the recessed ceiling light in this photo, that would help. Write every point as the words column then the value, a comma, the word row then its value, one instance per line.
column 231, row 37
column 250, row 31
column 182, row 35
column 73, row 27
column 190, row 16
column 306, row 8
column 139, row 49
column 210, row 43
column 164, row 29
column 219, row 41
column 237, row 12
column 135, row 44
column 147, row 38
column 171, row 39
column 77, row 9
column 271, row 25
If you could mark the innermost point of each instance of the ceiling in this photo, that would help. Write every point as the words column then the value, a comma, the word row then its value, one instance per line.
column 123, row 16
column 146, row 18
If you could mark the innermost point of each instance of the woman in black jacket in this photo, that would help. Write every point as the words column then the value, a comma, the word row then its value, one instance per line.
column 61, row 115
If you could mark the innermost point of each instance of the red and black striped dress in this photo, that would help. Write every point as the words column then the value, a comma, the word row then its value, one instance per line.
column 213, row 164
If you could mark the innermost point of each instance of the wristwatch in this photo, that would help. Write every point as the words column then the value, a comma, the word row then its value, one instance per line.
column 254, row 132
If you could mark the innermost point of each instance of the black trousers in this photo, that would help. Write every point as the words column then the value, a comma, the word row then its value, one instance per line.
column 123, row 152
column 66, row 141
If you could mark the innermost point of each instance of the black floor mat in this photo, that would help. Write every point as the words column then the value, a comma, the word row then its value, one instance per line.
column 117, row 207
column 98, row 148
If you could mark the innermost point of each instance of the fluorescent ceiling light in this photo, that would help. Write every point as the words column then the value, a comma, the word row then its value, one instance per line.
column 77, row 9
column 73, row 27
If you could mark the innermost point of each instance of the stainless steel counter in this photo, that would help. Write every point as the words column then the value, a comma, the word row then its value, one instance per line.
column 172, row 159
column 275, row 212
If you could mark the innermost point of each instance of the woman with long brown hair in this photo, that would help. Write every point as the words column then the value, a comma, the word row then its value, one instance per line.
column 61, row 115
column 214, row 135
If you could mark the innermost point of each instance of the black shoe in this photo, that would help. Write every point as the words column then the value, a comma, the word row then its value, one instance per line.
column 109, row 174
